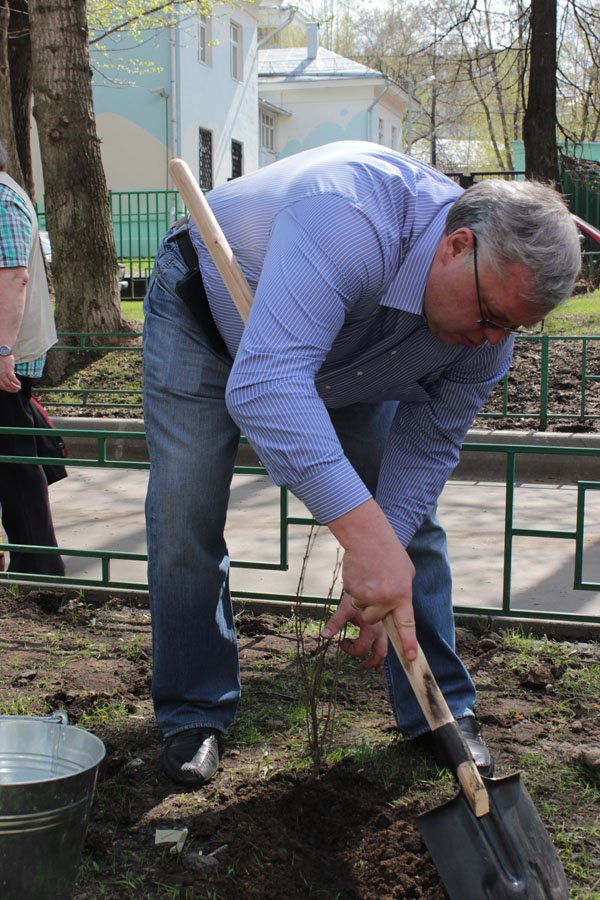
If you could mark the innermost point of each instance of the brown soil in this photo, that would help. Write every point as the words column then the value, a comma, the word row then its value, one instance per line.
column 565, row 365
column 348, row 833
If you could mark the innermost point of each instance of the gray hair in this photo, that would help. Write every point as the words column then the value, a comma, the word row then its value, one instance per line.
column 523, row 222
column 3, row 158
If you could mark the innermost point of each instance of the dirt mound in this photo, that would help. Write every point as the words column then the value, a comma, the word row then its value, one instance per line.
column 263, row 828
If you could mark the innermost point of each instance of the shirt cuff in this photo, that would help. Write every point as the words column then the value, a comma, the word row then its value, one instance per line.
column 403, row 529
column 333, row 492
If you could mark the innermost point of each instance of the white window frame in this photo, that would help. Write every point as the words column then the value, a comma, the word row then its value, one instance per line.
column 267, row 131
column 235, row 41
column 204, row 39
column 381, row 131
column 394, row 144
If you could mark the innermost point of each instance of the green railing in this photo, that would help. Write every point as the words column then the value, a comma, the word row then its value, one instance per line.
column 583, row 195
column 588, row 408
column 139, row 220
column 286, row 520
column 582, row 192
column 509, row 407
column 86, row 397
column 511, row 531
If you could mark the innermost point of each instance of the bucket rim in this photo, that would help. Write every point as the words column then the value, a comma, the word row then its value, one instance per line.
column 92, row 745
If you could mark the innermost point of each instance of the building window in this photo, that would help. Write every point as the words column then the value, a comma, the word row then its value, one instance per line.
column 235, row 36
column 204, row 40
column 236, row 159
column 381, row 131
column 267, row 131
column 394, row 137
column 205, row 159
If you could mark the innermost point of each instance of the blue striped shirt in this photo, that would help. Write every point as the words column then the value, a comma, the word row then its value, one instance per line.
column 336, row 244
column 15, row 231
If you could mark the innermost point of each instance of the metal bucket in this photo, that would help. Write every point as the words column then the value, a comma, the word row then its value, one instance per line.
column 47, row 777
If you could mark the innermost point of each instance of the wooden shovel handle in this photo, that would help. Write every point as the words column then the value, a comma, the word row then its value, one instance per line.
column 437, row 713
column 212, row 235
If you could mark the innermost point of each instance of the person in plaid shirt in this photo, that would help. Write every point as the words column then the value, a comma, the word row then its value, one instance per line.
column 27, row 331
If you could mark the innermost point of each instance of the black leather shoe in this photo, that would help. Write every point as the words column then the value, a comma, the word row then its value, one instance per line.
column 479, row 751
column 191, row 757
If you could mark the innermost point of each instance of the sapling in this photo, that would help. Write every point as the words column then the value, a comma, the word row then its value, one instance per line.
column 318, row 668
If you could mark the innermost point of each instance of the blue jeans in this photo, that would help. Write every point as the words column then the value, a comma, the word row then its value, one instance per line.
column 192, row 442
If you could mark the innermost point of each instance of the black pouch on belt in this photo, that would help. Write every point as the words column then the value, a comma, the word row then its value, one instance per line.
column 191, row 290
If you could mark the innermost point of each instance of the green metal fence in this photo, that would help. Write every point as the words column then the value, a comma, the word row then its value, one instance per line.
column 511, row 531
column 583, row 195
column 139, row 220
column 510, row 406
column 507, row 609
column 589, row 405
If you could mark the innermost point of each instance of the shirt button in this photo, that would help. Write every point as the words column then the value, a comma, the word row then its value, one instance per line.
column 359, row 372
column 394, row 351
column 327, row 387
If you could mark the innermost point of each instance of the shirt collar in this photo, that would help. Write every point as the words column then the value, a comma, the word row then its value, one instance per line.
column 407, row 290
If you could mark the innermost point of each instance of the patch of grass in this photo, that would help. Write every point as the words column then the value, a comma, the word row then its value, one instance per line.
column 529, row 649
column 579, row 315
column 580, row 683
column 258, row 721
column 104, row 714
column 132, row 309
column 380, row 756
column 579, row 676
column 16, row 703
column 135, row 651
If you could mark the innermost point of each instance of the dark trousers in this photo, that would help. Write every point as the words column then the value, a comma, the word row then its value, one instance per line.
column 24, row 500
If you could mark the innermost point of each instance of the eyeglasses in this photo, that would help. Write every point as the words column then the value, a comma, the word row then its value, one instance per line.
column 485, row 323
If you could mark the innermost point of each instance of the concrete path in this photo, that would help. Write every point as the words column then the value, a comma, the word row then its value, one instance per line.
column 104, row 509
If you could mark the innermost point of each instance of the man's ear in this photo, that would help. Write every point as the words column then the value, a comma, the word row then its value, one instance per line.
column 458, row 243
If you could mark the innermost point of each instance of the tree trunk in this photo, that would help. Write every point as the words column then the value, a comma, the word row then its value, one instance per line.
column 84, row 260
column 539, row 122
column 19, row 61
column 7, row 131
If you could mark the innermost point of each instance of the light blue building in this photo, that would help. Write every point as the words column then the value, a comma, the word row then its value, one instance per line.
column 204, row 90
column 207, row 92
column 189, row 91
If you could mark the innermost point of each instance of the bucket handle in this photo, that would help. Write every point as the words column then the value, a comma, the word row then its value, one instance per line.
column 59, row 716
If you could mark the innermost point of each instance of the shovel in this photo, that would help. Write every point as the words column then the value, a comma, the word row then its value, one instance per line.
column 488, row 842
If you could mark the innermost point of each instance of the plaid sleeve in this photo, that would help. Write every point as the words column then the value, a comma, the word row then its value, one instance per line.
column 15, row 229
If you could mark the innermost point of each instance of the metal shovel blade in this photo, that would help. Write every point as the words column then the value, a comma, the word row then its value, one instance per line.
column 503, row 855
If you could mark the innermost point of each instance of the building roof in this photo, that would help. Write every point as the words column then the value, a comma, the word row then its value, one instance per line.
column 292, row 64
column 272, row 107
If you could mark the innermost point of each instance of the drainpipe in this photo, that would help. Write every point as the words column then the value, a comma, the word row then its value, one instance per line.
column 163, row 94
column 374, row 103
column 292, row 12
column 173, row 63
